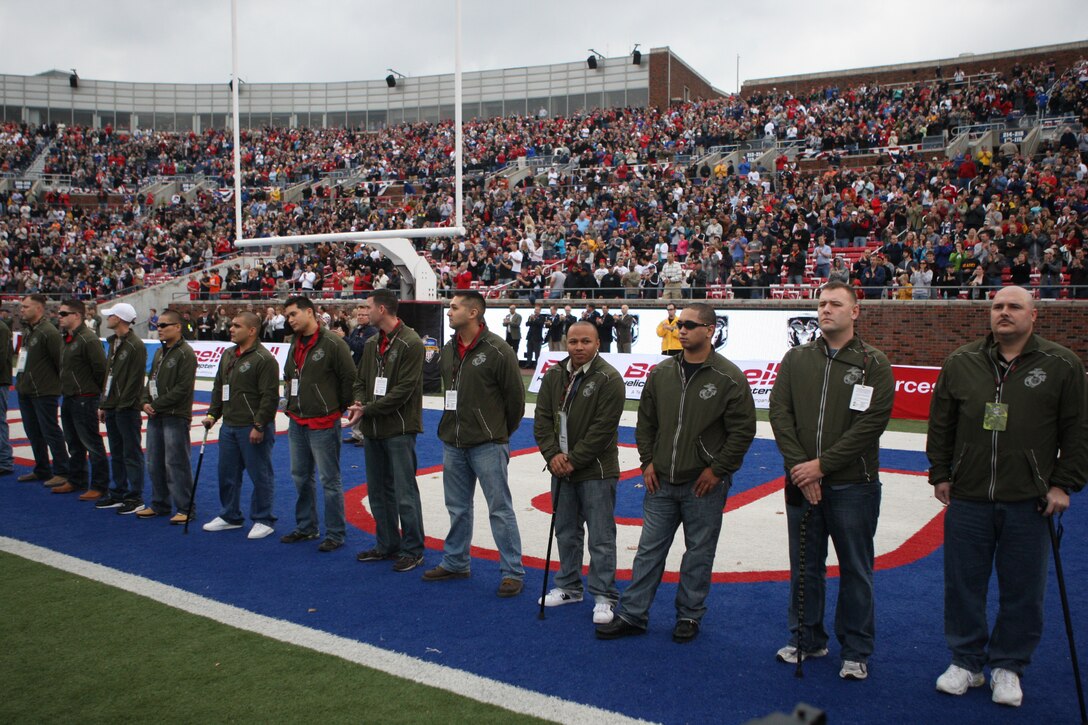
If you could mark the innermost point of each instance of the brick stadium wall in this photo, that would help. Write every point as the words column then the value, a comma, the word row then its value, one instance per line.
column 661, row 59
column 920, row 72
column 909, row 333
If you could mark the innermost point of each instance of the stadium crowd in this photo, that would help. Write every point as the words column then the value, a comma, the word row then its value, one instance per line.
column 611, row 207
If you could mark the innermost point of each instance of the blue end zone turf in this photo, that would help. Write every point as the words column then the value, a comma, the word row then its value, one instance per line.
column 728, row 674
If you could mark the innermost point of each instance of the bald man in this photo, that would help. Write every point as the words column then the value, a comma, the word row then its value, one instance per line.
column 1007, row 445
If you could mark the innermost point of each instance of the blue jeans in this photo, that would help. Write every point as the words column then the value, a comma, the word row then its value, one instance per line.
column 1014, row 539
column 42, row 429
column 7, row 459
column 394, row 494
column 126, row 455
column 79, row 418
column 461, row 467
column 168, row 466
column 586, row 504
column 237, row 454
column 662, row 513
column 848, row 515
column 318, row 449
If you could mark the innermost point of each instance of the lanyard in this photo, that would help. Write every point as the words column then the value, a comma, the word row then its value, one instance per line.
column 388, row 345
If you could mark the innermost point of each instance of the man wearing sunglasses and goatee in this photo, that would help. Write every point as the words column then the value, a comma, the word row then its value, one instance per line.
column 696, row 420
column 168, row 402
column 82, row 373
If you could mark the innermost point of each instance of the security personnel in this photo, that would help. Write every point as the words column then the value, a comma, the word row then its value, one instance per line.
column 1007, row 443
column 829, row 406
column 669, row 332
column 388, row 405
column 245, row 395
column 168, row 403
column 696, row 420
column 576, row 427
column 319, row 375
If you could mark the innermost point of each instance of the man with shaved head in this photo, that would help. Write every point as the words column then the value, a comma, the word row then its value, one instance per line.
column 1007, row 445
column 576, row 425
column 245, row 394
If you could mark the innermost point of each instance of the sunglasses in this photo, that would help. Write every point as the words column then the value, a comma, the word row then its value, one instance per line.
column 64, row 313
column 691, row 325
column 164, row 325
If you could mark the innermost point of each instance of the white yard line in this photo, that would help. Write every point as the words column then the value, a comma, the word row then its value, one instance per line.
column 452, row 680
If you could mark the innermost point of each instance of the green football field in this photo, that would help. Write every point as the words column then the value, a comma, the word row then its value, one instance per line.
column 78, row 651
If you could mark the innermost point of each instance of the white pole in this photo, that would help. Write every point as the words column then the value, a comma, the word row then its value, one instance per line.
column 427, row 233
column 457, row 120
column 234, row 83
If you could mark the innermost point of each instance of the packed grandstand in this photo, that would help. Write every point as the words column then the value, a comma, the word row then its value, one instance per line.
column 912, row 190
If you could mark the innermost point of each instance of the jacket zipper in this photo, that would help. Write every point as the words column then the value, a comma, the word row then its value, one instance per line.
column 993, row 435
column 823, row 404
column 679, row 417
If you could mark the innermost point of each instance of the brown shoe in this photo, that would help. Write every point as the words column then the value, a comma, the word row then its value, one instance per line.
column 509, row 587
column 147, row 513
column 179, row 518
column 28, row 477
column 55, row 481
column 66, row 487
column 91, row 495
column 439, row 574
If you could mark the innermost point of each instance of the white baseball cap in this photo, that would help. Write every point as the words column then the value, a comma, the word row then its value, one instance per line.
column 123, row 310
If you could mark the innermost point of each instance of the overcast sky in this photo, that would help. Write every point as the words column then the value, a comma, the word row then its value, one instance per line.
column 188, row 41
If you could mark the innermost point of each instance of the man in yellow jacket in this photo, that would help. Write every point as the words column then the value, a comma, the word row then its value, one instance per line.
column 669, row 332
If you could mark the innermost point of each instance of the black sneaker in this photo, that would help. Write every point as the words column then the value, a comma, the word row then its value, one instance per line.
column 373, row 555
column 108, row 502
column 685, row 630
column 407, row 563
column 130, row 507
column 296, row 536
column 330, row 545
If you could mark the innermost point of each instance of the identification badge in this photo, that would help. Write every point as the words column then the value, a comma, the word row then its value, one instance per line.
column 294, row 387
column 225, row 390
column 109, row 386
column 996, row 417
column 564, row 441
column 153, row 388
column 861, row 398
column 20, row 366
column 380, row 384
column 451, row 400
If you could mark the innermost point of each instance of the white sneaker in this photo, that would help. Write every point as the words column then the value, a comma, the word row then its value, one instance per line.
column 1006, row 687
column 218, row 524
column 789, row 654
column 853, row 670
column 602, row 613
column 259, row 531
column 558, row 597
column 956, row 680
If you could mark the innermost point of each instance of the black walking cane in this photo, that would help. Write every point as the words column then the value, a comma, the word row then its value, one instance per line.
column 802, row 575
column 551, row 535
column 1055, row 543
column 196, row 479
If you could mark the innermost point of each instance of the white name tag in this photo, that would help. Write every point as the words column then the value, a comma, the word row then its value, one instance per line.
column 380, row 385
column 109, row 386
column 294, row 387
column 225, row 390
column 20, row 366
column 564, row 442
column 861, row 398
column 451, row 400
column 153, row 387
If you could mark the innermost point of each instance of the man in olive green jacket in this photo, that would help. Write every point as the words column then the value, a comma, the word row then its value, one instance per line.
column 577, row 428
column 696, row 420
column 245, row 394
column 122, row 400
column 7, row 459
column 38, row 385
column 319, row 375
column 82, row 374
column 389, row 403
column 484, row 403
column 168, row 402
column 830, row 404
